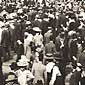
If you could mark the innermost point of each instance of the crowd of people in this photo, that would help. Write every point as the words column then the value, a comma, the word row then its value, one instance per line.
column 48, row 38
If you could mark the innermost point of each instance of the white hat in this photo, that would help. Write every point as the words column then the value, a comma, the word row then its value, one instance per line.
column 10, row 77
column 37, row 16
column 7, row 23
column 36, row 54
column 22, row 64
column 19, row 42
column 4, row 12
column 78, row 69
column 79, row 64
column 20, row 11
column 74, row 58
column 57, row 13
column 51, row 16
column 28, row 22
column 26, row 33
column 12, row 26
column 37, row 29
column 49, row 27
column 38, row 49
column 70, row 33
column 25, row 7
column 23, row 61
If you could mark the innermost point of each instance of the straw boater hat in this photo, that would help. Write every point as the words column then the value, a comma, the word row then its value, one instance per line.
column 28, row 22
column 36, row 29
column 11, row 78
column 49, row 56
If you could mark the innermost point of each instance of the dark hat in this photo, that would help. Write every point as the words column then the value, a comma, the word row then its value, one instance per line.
column 58, row 58
column 80, row 16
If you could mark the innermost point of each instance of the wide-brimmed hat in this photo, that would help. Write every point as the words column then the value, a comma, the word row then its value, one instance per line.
column 23, row 61
column 11, row 78
column 22, row 64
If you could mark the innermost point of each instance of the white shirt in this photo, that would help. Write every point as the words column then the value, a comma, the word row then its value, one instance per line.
column 28, row 40
column 30, row 37
column 24, row 76
column 49, row 66
column 0, row 35
column 38, row 39
column 56, row 72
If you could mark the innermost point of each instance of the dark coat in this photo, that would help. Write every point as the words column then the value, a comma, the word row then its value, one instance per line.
column 75, row 78
column 73, row 48
column 81, row 59
column 19, row 30
column 5, row 42
column 36, row 23
column 62, row 20
column 44, row 26
column 57, row 43
column 19, row 51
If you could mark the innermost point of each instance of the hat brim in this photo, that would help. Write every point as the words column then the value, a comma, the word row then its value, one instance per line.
column 58, row 58
column 49, row 58
column 22, row 64
column 36, row 29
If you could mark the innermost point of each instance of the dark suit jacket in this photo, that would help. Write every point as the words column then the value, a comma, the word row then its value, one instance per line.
column 81, row 59
column 36, row 23
column 5, row 42
column 44, row 26
column 57, row 43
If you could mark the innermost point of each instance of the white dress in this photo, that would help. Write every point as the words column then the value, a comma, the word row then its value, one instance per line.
column 27, row 48
column 24, row 76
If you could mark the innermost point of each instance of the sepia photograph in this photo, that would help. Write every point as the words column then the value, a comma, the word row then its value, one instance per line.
column 42, row 42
